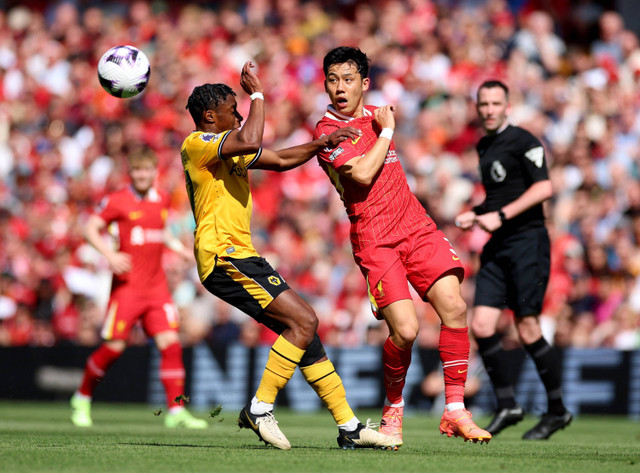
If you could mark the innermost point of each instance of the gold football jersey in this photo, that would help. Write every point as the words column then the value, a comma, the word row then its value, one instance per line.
column 220, row 198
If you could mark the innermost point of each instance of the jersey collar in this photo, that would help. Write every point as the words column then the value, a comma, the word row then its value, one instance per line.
column 152, row 194
column 502, row 128
column 333, row 114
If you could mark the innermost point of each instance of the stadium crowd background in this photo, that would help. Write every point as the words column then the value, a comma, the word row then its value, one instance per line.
column 63, row 144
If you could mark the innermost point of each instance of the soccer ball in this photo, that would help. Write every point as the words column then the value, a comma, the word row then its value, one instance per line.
column 124, row 71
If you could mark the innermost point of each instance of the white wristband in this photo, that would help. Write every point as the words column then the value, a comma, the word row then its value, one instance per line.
column 386, row 133
column 256, row 95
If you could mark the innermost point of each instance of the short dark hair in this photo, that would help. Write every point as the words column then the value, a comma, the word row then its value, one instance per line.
column 207, row 97
column 344, row 54
column 491, row 84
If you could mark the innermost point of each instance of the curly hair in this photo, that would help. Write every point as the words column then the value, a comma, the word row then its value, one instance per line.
column 207, row 97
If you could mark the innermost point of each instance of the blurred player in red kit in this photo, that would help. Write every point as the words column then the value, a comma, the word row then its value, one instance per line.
column 394, row 241
column 139, row 290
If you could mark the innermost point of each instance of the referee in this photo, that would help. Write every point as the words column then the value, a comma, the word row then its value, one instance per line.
column 514, row 265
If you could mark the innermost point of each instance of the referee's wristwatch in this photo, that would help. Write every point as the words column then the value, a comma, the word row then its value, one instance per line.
column 503, row 217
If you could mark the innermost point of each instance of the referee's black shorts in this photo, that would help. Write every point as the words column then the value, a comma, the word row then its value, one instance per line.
column 250, row 284
column 514, row 272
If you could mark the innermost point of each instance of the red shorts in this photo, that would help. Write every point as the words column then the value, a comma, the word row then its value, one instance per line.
column 156, row 315
column 420, row 258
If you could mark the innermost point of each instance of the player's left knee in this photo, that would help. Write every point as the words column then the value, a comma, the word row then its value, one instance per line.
column 314, row 353
column 456, row 315
column 166, row 339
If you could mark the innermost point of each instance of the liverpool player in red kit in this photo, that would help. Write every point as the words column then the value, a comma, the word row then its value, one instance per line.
column 394, row 241
column 139, row 290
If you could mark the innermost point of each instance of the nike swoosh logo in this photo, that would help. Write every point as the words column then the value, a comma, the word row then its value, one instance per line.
column 455, row 258
column 253, row 426
column 462, row 371
column 353, row 142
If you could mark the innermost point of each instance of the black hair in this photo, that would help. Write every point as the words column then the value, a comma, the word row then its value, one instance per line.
column 346, row 54
column 490, row 84
column 207, row 97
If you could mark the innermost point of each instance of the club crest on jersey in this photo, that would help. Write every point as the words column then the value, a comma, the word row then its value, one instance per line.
column 274, row 280
column 536, row 156
column 498, row 172
column 337, row 152
column 206, row 137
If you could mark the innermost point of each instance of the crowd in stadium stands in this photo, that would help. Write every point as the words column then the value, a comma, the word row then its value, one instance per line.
column 63, row 143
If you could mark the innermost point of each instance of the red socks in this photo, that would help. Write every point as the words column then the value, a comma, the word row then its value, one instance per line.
column 172, row 373
column 97, row 365
column 396, row 363
column 454, row 354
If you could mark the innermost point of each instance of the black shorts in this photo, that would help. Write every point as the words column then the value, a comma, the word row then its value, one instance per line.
column 514, row 272
column 250, row 284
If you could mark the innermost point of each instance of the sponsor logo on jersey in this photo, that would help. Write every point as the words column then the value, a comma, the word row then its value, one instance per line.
column 135, row 215
column 354, row 141
column 141, row 236
column 206, row 137
column 274, row 280
column 337, row 152
column 498, row 172
column 536, row 156
column 392, row 157
column 238, row 168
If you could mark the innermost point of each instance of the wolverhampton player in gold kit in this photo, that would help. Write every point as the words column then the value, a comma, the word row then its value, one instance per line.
column 216, row 159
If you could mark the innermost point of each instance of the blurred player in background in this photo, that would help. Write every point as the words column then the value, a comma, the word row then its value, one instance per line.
column 139, row 290
column 216, row 160
column 515, row 262
column 394, row 240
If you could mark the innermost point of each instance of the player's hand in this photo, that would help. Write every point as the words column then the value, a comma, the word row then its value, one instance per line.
column 384, row 116
column 120, row 263
column 489, row 222
column 338, row 136
column 466, row 220
column 249, row 80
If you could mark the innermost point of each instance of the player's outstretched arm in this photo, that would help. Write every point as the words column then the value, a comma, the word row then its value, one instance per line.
column 290, row 158
column 175, row 245
column 364, row 169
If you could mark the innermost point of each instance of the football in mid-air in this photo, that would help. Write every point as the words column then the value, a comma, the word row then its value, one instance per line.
column 124, row 71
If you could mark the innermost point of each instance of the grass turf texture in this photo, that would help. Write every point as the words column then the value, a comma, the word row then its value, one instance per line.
column 39, row 437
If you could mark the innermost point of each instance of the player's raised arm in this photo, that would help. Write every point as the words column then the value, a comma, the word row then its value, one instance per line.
column 363, row 169
column 247, row 139
column 289, row 158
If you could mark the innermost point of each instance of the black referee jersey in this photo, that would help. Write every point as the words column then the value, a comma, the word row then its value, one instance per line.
column 510, row 162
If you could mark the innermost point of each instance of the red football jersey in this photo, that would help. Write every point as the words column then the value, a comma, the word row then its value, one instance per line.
column 383, row 211
column 140, row 231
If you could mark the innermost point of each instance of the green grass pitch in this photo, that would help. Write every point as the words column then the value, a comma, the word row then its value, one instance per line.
column 38, row 437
